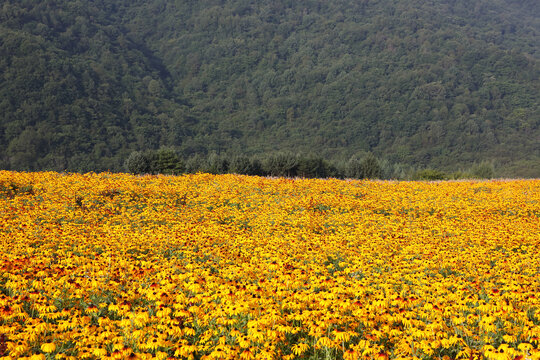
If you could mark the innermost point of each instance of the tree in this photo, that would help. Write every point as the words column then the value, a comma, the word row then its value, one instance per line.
column 484, row 170
column 242, row 164
column 429, row 175
column 167, row 162
column 312, row 166
column 216, row 164
column 281, row 164
column 370, row 167
column 138, row 163
column 353, row 168
column 366, row 168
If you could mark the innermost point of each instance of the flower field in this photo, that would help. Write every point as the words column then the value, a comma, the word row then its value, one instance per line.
column 113, row 266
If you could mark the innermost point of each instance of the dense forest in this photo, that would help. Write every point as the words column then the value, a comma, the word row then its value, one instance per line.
column 441, row 84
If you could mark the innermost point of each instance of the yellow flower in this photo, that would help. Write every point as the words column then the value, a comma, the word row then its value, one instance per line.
column 341, row 336
column 324, row 342
column 99, row 352
column 92, row 309
column 350, row 354
column 247, row 355
column 300, row 348
column 37, row 357
column 48, row 347
column 206, row 264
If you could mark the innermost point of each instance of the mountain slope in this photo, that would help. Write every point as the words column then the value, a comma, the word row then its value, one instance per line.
column 439, row 83
column 76, row 92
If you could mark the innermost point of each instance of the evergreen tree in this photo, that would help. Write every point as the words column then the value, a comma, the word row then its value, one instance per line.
column 168, row 162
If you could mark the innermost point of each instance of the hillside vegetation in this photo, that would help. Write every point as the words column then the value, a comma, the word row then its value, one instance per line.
column 441, row 84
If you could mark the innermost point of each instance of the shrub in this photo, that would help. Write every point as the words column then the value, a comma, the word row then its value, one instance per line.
column 337, row 169
column 256, row 167
column 459, row 175
column 391, row 171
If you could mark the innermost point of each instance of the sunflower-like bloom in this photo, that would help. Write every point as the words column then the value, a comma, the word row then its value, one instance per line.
column 300, row 348
column 48, row 347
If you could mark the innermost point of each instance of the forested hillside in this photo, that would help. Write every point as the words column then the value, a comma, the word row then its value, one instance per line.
column 440, row 83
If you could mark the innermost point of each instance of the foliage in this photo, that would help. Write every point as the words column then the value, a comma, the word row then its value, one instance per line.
column 312, row 166
column 443, row 84
column 216, row 164
column 138, row 163
column 245, row 165
column 166, row 161
column 354, row 168
column 204, row 266
column 195, row 163
column 370, row 167
column 430, row 174
column 367, row 167
column 484, row 170
column 391, row 171
column 281, row 164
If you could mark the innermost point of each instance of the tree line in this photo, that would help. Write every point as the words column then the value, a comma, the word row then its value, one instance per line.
column 287, row 164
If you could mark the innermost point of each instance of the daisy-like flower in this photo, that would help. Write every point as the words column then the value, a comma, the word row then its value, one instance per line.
column 324, row 342
column 247, row 355
column 350, row 354
column 37, row 357
column 48, row 347
column 300, row 348
column 92, row 309
column 99, row 351
column 341, row 336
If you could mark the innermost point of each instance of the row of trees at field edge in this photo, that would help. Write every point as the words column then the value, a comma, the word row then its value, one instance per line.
column 167, row 161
